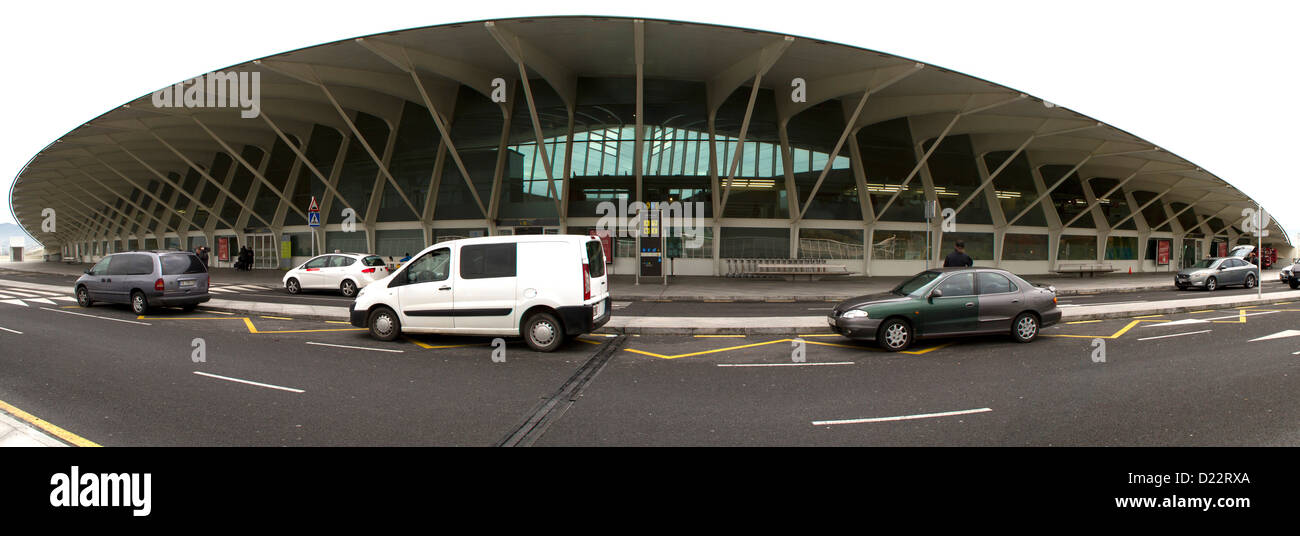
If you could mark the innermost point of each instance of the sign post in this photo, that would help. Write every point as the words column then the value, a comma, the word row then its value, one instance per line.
column 313, row 220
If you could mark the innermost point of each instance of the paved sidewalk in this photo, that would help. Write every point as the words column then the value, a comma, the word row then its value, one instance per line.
column 16, row 433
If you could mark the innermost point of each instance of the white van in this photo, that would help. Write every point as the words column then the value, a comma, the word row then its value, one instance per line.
column 544, row 288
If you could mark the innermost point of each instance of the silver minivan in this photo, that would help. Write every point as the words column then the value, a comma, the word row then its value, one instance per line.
column 145, row 279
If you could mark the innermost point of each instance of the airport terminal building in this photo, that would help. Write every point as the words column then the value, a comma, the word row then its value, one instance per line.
column 793, row 148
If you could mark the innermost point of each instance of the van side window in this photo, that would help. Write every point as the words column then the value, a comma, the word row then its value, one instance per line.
column 487, row 260
column 436, row 266
column 101, row 268
column 130, row 264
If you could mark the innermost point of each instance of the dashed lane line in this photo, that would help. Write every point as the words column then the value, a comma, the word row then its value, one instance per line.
column 99, row 317
column 249, row 382
column 902, row 417
column 357, row 347
column 1175, row 335
column 786, row 364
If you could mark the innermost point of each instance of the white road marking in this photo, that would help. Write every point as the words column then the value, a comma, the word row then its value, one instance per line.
column 620, row 304
column 1279, row 335
column 100, row 317
column 1175, row 335
column 217, row 312
column 784, row 364
column 1295, row 353
column 1206, row 320
column 14, row 302
column 63, row 298
column 903, row 417
column 357, row 347
column 39, row 300
column 821, row 308
column 5, row 296
column 20, row 294
column 237, row 380
column 218, row 290
column 12, row 331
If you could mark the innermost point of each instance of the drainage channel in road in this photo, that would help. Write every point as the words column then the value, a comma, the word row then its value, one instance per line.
column 553, row 407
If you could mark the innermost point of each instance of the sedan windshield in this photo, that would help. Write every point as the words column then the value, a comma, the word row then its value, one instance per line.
column 1204, row 263
column 915, row 284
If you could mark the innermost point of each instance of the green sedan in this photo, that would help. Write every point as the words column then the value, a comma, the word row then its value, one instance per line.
column 948, row 302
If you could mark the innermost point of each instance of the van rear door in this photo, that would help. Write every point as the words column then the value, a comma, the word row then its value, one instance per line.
column 594, row 258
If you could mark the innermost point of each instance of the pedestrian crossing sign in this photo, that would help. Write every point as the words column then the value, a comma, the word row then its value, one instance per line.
column 313, row 207
column 313, row 219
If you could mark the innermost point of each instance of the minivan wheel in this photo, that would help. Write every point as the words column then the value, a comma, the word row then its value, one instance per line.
column 83, row 297
column 1250, row 280
column 1295, row 283
column 894, row 335
column 348, row 288
column 292, row 286
column 383, row 324
column 542, row 332
column 139, row 304
column 1025, row 327
column 1211, row 284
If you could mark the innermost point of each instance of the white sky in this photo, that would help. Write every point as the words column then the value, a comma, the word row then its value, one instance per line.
column 1213, row 82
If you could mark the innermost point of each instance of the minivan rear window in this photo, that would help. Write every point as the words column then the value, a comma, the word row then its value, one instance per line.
column 177, row 264
column 487, row 260
column 595, row 259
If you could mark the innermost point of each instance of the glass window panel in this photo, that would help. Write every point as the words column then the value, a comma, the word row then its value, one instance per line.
column 753, row 242
column 1077, row 248
column 1024, row 247
column 1115, row 206
column 1015, row 190
column 830, row 244
column 978, row 245
column 1121, row 248
column 898, row 245
column 953, row 169
column 888, row 158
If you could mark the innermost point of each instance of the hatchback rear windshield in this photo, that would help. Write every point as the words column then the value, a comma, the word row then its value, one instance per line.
column 177, row 264
column 373, row 261
column 595, row 259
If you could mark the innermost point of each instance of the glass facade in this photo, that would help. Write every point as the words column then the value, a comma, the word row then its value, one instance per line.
column 1114, row 206
column 1014, row 188
column 1121, row 248
column 1024, row 247
column 978, row 245
column 1068, row 198
column 755, row 243
column 830, row 244
column 898, row 245
column 1077, row 248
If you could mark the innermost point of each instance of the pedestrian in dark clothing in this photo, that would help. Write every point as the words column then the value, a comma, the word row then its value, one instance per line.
column 958, row 257
column 202, row 252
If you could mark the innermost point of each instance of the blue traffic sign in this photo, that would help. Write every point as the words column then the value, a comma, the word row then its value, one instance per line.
column 313, row 219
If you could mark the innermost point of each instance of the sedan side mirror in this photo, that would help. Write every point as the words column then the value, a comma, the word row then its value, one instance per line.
column 936, row 293
column 88, row 272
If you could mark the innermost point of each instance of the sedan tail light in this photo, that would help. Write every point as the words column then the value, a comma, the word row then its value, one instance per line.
column 368, row 271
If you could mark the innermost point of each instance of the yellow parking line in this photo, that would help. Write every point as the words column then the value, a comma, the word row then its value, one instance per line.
column 743, row 346
column 432, row 347
column 143, row 317
column 1083, row 322
column 337, row 322
column 597, row 343
column 719, row 336
column 47, row 426
column 276, row 317
column 1115, row 335
column 1149, row 316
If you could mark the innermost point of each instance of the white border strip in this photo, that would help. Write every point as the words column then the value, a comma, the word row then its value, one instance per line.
column 11, row 331
column 1175, row 335
column 237, row 380
column 784, row 364
column 99, row 317
column 357, row 347
column 903, row 417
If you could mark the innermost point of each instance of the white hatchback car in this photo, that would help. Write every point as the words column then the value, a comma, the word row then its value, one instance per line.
column 544, row 288
column 344, row 272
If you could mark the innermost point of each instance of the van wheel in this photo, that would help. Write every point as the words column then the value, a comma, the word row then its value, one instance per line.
column 1295, row 283
column 383, row 324
column 1025, row 327
column 83, row 297
column 293, row 286
column 348, row 288
column 139, row 304
column 542, row 332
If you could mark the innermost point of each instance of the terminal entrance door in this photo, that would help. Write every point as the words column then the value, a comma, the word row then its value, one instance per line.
column 266, row 250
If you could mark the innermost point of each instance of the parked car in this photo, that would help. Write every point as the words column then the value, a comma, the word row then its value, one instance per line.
column 1291, row 275
column 1216, row 272
column 344, row 272
column 947, row 302
column 145, row 279
column 501, row 285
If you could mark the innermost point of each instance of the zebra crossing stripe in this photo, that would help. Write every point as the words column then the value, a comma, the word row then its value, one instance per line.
column 15, row 302
column 5, row 296
column 39, row 300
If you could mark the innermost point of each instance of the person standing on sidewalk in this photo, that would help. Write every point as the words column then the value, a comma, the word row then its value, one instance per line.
column 958, row 257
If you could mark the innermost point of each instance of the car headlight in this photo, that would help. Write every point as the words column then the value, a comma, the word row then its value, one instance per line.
column 854, row 313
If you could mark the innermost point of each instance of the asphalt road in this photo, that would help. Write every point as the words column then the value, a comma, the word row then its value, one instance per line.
column 116, row 379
